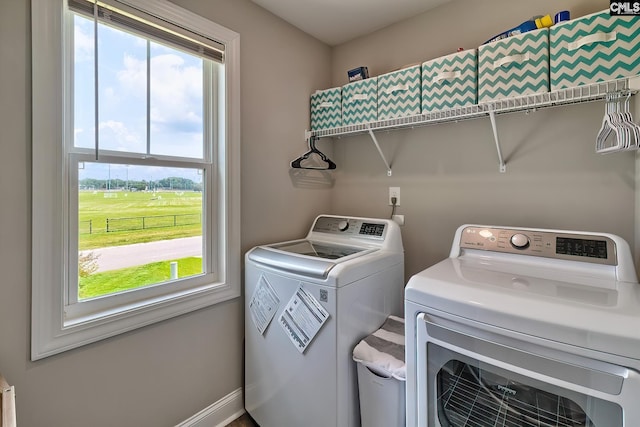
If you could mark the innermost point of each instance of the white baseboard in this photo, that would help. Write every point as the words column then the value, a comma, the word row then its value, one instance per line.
column 219, row 414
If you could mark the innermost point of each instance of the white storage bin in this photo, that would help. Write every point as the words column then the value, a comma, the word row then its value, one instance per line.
column 515, row 66
column 594, row 48
column 360, row 102
column 382, row 375
column 382, row 399
column 399, row 93
column 326, row 109
column 450, row 81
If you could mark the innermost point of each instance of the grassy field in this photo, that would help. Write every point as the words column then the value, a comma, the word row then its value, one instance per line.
column 109, row 282
column 97, row 206
column 158, row 209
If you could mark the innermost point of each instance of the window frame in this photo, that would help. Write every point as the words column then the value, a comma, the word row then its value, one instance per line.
column 54, row 328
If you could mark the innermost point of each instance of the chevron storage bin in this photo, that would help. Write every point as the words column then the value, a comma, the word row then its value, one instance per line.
column 360, row 102
column 326, row 109
column 515, row 66
column 399, row 93
column 594, row 48
column 450, row 81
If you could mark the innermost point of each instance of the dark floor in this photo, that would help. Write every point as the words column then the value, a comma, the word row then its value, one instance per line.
column 243, row 421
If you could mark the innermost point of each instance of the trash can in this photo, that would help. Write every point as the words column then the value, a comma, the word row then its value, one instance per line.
column 382, row 375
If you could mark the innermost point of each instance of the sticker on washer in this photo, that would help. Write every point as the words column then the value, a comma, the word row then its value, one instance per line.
column 302, row 318
column 263, row 305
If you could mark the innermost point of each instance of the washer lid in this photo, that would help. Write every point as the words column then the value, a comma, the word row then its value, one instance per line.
column 594, row 313
column 317, row 249
column 306, row 257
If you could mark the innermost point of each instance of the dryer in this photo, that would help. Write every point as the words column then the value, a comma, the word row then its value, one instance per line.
column 525, row 327
column 308, row 302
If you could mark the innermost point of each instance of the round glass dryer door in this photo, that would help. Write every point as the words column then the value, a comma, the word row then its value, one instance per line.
column 470, row 393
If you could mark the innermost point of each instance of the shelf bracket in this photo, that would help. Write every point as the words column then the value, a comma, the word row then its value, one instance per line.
column 492, row 117
column 384, row 159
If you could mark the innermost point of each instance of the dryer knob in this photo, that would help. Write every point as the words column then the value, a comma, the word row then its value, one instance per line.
column 343, row 225
column 520, row 241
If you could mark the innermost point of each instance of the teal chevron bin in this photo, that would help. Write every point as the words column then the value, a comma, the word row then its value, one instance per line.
column 515, row 66
column 326, row 109
column 450, row 81
column 360, row 102
column 399, row 93
column 594, row 48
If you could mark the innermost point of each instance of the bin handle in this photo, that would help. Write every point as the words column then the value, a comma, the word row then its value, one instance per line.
column 598, row 37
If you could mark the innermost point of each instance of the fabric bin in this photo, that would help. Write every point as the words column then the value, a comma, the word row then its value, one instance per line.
column 450, row 81
column 594, row 48
column 326, row 109
column 360, row 102
column 399, row 93
column 515, row 66
column 381, row 370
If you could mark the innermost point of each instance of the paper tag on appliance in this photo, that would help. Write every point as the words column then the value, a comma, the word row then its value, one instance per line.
column 263, row 305
column 302, row 318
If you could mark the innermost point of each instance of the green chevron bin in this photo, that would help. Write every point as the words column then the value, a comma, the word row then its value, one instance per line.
column 360, row 102
column 326, row 109
column 515, row 66
column 450, row 81
column 399, row 93
column 594, row 48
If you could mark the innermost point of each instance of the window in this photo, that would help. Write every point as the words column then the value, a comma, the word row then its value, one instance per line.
column 135, row 167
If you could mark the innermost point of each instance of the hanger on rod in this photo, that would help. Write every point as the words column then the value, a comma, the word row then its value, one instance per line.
column 619, row 131
column 297, row 163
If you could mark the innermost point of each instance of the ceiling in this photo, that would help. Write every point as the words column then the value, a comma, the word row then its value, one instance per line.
column 337, row 21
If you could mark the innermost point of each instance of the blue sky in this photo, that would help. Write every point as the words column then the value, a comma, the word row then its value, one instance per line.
column 175, row 98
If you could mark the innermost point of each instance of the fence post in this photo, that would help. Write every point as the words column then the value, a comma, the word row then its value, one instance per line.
column 173, row 267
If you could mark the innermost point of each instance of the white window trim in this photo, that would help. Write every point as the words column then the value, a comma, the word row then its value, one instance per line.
column 50, row 333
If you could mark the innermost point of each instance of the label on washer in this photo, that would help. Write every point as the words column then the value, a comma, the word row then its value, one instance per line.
column 302, row 318
column 263, row 305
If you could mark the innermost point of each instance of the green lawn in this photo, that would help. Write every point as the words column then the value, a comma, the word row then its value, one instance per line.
column 109, row 282
column 167, row 215
column 94, row 206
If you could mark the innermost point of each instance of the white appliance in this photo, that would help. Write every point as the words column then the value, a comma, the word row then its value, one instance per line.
column 525, row 327
column 348, row 273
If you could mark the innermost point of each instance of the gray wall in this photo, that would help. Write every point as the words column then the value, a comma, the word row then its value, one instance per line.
column 158, row 375
column 448, row 174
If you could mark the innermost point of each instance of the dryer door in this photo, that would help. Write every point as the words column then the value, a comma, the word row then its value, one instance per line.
column 466, row 380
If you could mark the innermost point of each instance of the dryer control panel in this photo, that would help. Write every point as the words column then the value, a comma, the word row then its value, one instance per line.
column 592, row 248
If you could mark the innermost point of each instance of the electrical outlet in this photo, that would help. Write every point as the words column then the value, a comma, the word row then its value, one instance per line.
column 394, row 192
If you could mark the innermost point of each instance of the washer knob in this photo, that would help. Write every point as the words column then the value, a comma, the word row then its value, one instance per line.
column 343, row 225
column 520, row 241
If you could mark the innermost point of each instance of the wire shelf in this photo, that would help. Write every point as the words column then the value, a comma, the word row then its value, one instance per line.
column 468, row 399
column 580, row 94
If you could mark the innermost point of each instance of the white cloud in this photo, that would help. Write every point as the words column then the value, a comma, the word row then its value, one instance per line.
column 83, row 41
column 115, row 135
column 133, row 75
column 176, row 91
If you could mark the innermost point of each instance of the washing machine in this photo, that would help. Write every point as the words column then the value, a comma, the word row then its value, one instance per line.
column 525, row 327
column 308, row 302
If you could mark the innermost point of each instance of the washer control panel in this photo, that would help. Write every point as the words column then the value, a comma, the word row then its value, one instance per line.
column 550, row 244
column 350, row 227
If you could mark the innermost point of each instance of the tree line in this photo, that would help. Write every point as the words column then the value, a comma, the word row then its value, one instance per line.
column 170, row 183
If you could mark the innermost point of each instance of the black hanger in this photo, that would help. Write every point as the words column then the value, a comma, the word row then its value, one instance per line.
column 297, row 163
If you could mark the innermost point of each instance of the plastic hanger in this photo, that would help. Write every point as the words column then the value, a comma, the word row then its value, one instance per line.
column 618, row 131
column 297, row 163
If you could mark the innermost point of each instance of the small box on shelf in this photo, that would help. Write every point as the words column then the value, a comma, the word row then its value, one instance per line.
column 359, row 73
